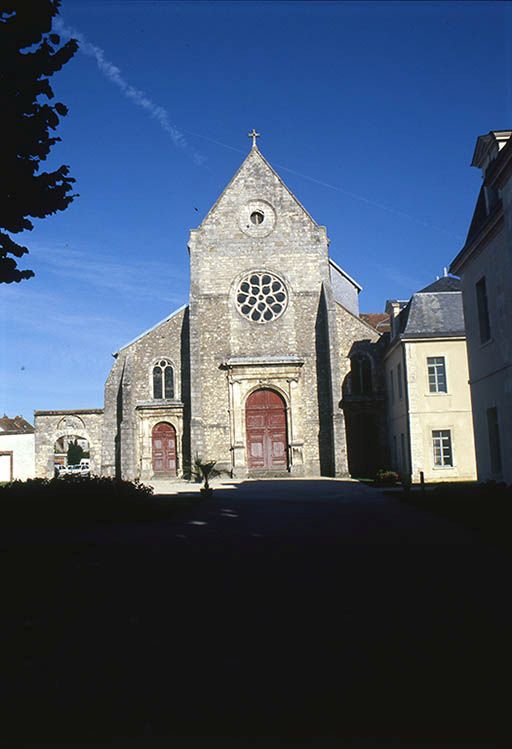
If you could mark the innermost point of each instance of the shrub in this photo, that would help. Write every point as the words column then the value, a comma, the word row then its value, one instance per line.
column 73, row 499
column 386, row 477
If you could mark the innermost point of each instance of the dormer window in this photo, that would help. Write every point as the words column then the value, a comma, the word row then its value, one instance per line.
column 163, row 380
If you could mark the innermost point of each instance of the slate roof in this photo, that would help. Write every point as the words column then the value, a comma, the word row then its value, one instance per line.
column 433, row 314
column 445, row 283
column 479, row 217
column 17, row 425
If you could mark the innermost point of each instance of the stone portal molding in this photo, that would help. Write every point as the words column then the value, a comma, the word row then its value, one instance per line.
column 245, row 374
column 149, row 415
column 70, row 424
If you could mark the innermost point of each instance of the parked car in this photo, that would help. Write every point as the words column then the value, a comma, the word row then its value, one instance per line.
column 78, row 469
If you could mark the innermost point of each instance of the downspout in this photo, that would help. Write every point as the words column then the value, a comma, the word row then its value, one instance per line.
column 408, row 424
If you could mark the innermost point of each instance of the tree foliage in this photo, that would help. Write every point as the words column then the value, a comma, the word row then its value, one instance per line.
column 29, row 55
column 75, row 453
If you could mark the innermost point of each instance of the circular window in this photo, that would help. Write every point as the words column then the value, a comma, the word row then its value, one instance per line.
column 257, row 218
column 261, row 297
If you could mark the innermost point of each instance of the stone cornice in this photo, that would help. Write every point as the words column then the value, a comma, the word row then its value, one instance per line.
column 76, row 411
column 163, row 405
column 262, row 361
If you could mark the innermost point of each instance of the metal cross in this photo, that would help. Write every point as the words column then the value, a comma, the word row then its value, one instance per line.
column 253, row 135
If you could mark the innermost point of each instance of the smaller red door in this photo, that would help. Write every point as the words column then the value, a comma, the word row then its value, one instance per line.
column 163, row 446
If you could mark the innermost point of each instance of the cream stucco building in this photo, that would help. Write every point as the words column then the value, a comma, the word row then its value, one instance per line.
column 429, row 403
column 17, row 452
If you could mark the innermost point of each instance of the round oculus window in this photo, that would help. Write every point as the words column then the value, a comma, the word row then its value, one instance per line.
column 261, row 297
column 257, row 218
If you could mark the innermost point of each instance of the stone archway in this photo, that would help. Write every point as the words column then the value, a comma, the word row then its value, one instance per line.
column 267, row 442
column 163, row 449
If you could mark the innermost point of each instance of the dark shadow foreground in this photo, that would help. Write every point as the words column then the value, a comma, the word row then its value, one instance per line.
column 232, row 629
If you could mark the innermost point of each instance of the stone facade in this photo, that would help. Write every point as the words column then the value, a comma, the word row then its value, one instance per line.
column 268, row 310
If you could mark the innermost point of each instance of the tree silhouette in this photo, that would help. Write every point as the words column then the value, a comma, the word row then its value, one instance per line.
column 29, row 55
column 75, row 453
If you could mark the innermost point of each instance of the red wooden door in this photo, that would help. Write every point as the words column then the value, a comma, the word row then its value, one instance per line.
column 164, row 449
column 265, row 418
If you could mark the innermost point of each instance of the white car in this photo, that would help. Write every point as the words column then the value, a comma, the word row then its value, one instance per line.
column 79, row 469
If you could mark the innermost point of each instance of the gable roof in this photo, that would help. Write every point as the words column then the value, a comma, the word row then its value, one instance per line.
column 344, row 273
column 17, row 425
column 255, row 153
column 378, row 320
column 150, row 330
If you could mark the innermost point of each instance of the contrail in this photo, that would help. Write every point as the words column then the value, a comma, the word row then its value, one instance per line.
column 138, row 97
column 349, row 193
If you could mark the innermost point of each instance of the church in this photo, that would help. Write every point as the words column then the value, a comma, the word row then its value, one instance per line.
column 269, row 369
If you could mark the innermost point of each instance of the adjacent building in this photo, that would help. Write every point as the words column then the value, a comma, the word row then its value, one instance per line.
column 17, row 458
column 430, row 427
column 485, row 267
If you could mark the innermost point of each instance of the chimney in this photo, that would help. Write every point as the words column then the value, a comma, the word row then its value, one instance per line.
column 393, row 309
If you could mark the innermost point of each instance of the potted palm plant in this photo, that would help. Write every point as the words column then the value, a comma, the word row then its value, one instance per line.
column 205, row 470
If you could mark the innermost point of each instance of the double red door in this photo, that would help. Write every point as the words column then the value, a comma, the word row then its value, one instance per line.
column 164, row 449
column 265, row 417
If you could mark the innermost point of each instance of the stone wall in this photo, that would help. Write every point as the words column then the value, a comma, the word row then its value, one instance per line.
column 131, row 411
column 365, row 414
column 52, row 425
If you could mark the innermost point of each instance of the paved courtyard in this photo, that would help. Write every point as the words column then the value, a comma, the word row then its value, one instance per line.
column 316, row 610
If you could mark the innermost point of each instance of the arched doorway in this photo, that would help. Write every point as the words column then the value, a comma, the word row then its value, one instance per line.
column 69, row 449
column 163, row 449
column 265, row 418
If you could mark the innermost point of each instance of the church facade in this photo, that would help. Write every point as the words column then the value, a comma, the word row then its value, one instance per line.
column 269, row 369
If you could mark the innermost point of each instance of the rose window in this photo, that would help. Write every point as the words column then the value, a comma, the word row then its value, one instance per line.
column 261, row 297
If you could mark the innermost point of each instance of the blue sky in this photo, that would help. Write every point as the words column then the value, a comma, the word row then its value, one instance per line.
column 369, row 112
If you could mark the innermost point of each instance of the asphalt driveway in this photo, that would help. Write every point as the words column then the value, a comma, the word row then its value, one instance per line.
column 313, row 610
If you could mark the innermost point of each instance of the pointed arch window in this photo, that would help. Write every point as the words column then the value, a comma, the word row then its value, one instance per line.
column 361, row 371
column 163, row 380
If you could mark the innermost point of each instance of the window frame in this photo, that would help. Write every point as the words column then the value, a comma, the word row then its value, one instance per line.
column 442, row 447
column 364, row 372
column 494, row 440
column 434, row 364
column 482, row 309
column 169, row 367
